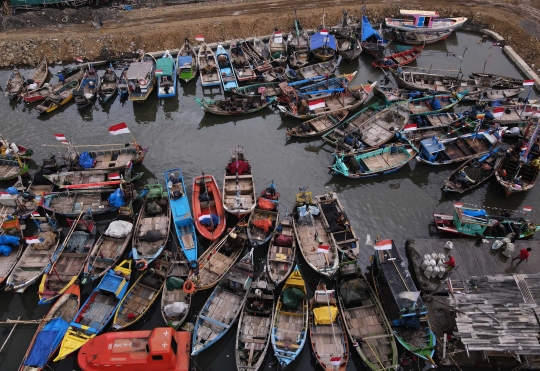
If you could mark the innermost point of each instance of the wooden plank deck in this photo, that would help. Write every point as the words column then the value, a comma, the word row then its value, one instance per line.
column 471, row 259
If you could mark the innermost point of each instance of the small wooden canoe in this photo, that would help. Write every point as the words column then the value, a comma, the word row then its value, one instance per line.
column 223, row 305
column 233, row 106
column 238, row 185
column 399, row 59
column 206, row 201
column 290, row 328
column 254, row 326
column 15, row 84
column 12, row 232
column 317, row 126
column 69, row 73
column 419, row 38
column 263, row 221
column 70, row 204
column 51, row 330
column 187, row 63
column 208, row 67
column 11, row 169
column 326, row 331
column 270, row 89
column 87, row 179
column 515, row 176
column 282, row 251
column 319, row 69
column 143, row 293
column 242, row 68
column 108, row 86
column 87, row 91
column 175, row 302
column 431, row 104
column 474, row 172
column 37, row 79
column 59, row 98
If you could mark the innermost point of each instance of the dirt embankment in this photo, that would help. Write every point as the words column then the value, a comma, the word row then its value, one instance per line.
column 63, row 35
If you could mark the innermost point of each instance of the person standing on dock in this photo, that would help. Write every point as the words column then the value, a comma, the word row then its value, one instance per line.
column 523, row 255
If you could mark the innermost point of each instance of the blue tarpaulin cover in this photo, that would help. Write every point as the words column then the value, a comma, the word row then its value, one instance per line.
column 86, row 161
column 9, row 240
column 368, row 31
column 5, row 250
column 184, row 60
column 46, row 342
column 12, row 191
column 474, row 213
column 116, row 198
column 318, row 41
column 436, row 104
column 205, row 220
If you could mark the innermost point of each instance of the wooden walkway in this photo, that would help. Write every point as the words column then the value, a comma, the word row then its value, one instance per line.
column 471, row 259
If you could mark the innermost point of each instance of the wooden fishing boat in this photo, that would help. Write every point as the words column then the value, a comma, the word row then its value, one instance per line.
column 166, row 71
column 378, row 161
column 319, row 69
column 337, row 221
column 224, row 304
column 399, row 59
column 498, row 81
column 282, row 251
column 392, row 94
column 419, row 38
column 298, row 45
column 108, row 85
column 254, row 326
column 327, row 331
column 422, row 81
column 107, row 159
column 175, row 302
column 322, row 44
column 242, row 68
column 71, row 259
column 51, row 330
column 264, row 219
column 70, row 204
column 238, row 185
column 473, row 172
column 434, row 104
column 141, row 80
column 316, row 244
column 74, row 73
column 37, row 79
column 218, row 259
column 278, row 48
column 12, row 248
column 234, row 106
column 317, row 126
column 58, row 98
column 108, row 250
column 35, row 260
column 435, row 151
column 206, row 200
column 365, row 321
column 143, row 293
column 502, row 95
column 349, row 47
column 11, row 169
column 187, row 62
column 260, row 47
column 123, row 86
column 208, row 67
column 225, row 69
column 270, row 89
column 86, row 93
column 97, row 311
column 153, row 226
column 181, row 213
column 423, row 21
column 336, row 137
column 290, row 326
column 278, row 73
column 411, row 133
column 91, row 179
column 161, row 348
column 253, row 56
column 476, row 222
column 402, row 302
column 372, row 43
column 14, row 84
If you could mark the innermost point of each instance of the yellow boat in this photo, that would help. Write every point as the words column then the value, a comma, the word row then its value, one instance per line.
column 98, row 309
column 59, row 98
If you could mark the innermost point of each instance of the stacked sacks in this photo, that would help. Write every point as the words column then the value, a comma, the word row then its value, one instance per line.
column 7, row 243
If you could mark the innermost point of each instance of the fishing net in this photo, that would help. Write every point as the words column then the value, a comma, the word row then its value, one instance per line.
column 292, row 298
column 263, row 224
column 352, row 291
column 153, row 208
column 152, row 236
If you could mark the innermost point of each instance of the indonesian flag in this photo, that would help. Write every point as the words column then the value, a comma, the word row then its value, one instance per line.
column 129, row 164
column 80, row 60
column 114, row 176
column 410, row 127
column 383, row 245
column 323, row 248
column 159, row 72
column 199, row 38
column 60, row 137
column 527, row 209
column 120, row 128
column 480, row 116
column 498, row 112
column 458, row 205
column 335, row 360
column 318, row 103
column 523, row 148
column 324, row 32
column 32, row 240
column 528, row 82
column 35, row 214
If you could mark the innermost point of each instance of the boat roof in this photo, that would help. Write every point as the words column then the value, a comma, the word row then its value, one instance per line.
column 139, row 70
column 166, row 66
column 419, row 12
column 318, row 40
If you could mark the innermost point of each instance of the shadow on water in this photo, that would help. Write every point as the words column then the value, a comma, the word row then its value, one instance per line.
column 209, row 119
column 146, row 112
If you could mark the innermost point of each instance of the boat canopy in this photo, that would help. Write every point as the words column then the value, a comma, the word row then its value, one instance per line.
column 46, row 342
column 139, row 70
column 165, row 65
column 474, row 213
column 318, row 41
column 368, row 31
column 184, row 61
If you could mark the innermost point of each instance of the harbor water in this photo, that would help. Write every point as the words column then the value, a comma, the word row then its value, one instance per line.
column 179, row 134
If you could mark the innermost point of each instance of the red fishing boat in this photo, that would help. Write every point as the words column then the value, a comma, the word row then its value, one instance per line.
column 137, row 351
column 399, row 59
column 207, row 205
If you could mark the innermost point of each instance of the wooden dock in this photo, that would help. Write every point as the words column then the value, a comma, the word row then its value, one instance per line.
column 472, row 259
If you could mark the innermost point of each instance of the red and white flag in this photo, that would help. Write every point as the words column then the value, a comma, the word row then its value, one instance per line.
column 323, row 32
column 60, row 137
column 129, row 164
column 120, row 128
column 528, row 82
column 323, row 248
column 114, row 176
column 498, row 112
column 159, row 72
column 410, row 127
column 383, row 245
column 527, row 209
column 79, row 59
column 523, row 148
column 317, row 103
column 458, row 205
column 199, row 38
column 35, row 214
column 32, row 240
column 335, row 360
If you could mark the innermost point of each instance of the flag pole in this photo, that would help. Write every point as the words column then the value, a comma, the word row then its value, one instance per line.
column 526, row 100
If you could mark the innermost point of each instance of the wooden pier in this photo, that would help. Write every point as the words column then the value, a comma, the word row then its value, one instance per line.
column 472, row 259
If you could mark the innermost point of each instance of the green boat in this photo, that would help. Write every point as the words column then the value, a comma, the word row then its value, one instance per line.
column 11, row 169
column 187, row 63
column 434, row 103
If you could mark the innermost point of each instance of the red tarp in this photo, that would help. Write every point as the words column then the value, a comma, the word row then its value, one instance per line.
column 243, row 167
column 263, row 224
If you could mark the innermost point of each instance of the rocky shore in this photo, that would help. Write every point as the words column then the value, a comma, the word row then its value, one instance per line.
column 63, row 35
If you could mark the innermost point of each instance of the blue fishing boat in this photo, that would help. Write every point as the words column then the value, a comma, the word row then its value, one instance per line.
column 372, row 42
column 98, row 309
column 431, row 104
column 166, row 76
column 181, row 213
column 225, row 69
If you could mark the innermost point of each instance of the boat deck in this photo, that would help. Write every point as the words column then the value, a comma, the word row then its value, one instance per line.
column 157, row 223
column 107, row 252
column 465, row 147
column 215, row 268
column 336, row 103
column 384, row 160
column 113, row 159
column 98, row 311
column 7, row 171
column 77, row 202
column 309, row 243
column 138, row 299
column 281, row 259
column 222, row 311
column 177, row 295
column 245, row 185
column 324, row 337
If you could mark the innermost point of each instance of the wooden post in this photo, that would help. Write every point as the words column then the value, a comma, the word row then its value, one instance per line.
column 11, row 332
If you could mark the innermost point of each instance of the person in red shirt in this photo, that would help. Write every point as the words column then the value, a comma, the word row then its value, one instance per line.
column 451, row 262
column 523, row 255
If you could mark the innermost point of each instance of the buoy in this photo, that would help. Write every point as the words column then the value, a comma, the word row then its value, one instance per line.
column 193, row 264
column 141, row 265
column 189, row 287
